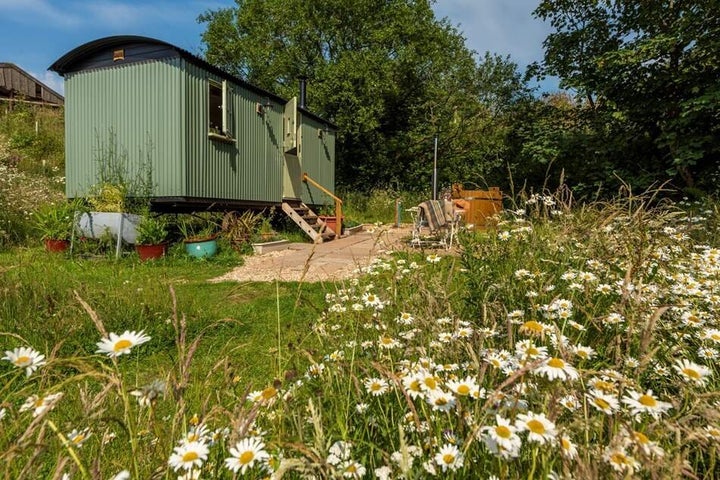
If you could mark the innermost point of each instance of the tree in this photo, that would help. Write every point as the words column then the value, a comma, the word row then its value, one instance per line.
column 654, row 65
column 389, row 74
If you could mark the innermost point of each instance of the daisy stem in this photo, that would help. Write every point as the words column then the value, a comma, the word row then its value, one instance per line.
column 534, row 463
column 70, row 449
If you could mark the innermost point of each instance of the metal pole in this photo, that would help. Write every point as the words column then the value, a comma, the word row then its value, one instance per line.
column 435, row 169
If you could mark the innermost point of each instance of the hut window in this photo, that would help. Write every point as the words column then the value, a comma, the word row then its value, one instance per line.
column 218, row 107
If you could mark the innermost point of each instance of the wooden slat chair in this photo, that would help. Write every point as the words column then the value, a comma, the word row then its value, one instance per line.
column 439, row 219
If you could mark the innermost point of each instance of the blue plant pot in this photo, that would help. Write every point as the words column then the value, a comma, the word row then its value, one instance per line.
column 202, row 248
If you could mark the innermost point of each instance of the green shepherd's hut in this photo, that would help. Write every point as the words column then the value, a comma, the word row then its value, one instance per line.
column 211, row 139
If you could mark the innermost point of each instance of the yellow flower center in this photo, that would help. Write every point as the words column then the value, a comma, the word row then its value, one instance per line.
column 536, row 426
column 23, row 361
column 532, row 326
column 386, row 340
column 122, row 345
column 415, row 386
column 618, row 458
column 190, row 457
column 556, row 363
column 351, row 468
column 39, row 402
column 430, row 383
column 78, row 439
column 268, row 393
column 604, row 386
column 448, row 458
column 502, row 431
column 441, row 401
column 532, row 351
column 246, row 457
column 715, row 336
column 647, row 401
column 692, row 373
column 582, row 354
column 641, row 438
column 375, row 387
column 565, row 443
column 463, row 390
column 602, row 403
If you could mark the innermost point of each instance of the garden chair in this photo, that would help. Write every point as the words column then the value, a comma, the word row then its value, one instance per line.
column 435, row 223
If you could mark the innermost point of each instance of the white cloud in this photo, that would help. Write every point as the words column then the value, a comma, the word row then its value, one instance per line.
column 37, row 12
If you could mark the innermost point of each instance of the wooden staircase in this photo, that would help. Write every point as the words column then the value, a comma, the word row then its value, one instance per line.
column 308, row 221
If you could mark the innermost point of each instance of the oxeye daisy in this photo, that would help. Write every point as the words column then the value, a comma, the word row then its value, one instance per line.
column 188, row 455
column 388, row 343
column 449, row 458
column 413, row 386
column 25, row 357
column 620, row 461
column 556, row 367
column 376, row 386
column 567, row 447
column 466, row 387
column 692, row 372
column 246, row 454
column 267, row 395
column 40, row 405
column 712, row 334
column 352, row 469
column 540, row 429
column 605, row 403
column 645, row 403
column 646, row 446
column 76, row 438
column 503, row 434
column 440, row 400
column 115, row 345
column 533, row 327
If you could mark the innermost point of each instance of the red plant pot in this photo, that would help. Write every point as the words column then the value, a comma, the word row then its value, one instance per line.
column 54, row 245
column 150, row 252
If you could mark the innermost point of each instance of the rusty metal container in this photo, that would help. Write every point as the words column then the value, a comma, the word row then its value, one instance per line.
column 480, row 205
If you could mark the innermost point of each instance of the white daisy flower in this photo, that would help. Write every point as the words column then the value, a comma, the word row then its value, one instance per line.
column 246, row 454
column 645, row 403
column 76, row 438
column 449, row 457
column 567, row 447
column 692, row 372
column 620, row 461
column 440, row 401
column 116, row 345
column 601, row 401
column 352, row 469
column 413, row 386
column 556, row 367
column 25, row 357
column 503, row 434
column 383, row 473
column 465, row 387
column 376, row 386
column 40, row 405
column 540, row 429
column 433, row 258
column 188, row 455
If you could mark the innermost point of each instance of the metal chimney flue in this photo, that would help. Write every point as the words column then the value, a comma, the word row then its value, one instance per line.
column 303, row 81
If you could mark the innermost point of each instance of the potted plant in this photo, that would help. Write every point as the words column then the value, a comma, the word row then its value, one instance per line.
column 200, row 234
column 239, row 228
column 55, row 224
column 151, row 238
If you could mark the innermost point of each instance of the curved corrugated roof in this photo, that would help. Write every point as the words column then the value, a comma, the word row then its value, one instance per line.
column 65, row 63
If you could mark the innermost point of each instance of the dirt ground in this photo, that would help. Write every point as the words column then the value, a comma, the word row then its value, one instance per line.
column 335, row 260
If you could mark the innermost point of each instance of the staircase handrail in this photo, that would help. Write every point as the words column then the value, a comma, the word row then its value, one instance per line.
column 338, row 202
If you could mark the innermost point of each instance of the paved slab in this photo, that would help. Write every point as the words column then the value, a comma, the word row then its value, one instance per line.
column 335, row 260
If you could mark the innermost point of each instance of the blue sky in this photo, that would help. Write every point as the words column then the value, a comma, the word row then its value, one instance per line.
column 35, row 33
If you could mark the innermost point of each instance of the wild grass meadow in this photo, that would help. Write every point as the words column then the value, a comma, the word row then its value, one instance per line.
column 563, row 343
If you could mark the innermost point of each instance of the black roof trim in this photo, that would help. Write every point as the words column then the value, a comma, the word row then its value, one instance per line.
column 65, row 63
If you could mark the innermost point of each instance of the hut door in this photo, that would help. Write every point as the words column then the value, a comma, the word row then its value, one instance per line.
column 292, row 176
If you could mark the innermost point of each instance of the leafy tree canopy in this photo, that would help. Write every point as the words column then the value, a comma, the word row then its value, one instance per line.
column 653, row 66
column 388, row 73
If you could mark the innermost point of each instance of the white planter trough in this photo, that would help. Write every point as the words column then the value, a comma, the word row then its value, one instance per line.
column 265, row 247
column 121, row 226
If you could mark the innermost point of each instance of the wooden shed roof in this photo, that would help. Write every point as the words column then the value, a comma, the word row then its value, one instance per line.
column 16, row 82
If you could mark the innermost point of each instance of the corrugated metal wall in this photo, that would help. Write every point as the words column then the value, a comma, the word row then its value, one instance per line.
column 318, row 159
column 142, row 104
column 249, row 169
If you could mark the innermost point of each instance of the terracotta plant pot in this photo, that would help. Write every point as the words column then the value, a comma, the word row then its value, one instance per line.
column 54, row 245
column 150, row 252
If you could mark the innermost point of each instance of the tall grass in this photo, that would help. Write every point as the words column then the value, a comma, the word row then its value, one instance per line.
column 566, row 343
